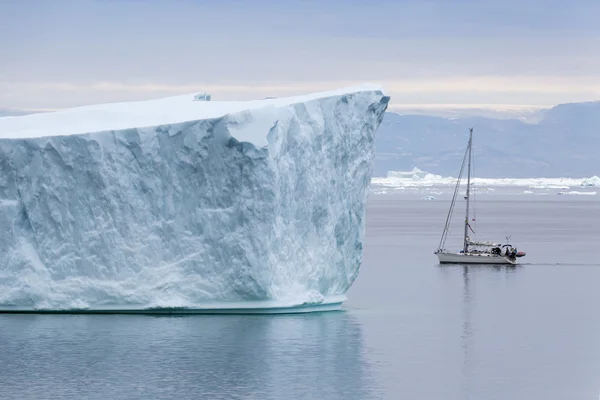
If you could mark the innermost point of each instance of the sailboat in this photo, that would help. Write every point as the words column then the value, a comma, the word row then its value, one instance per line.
column 473, row 252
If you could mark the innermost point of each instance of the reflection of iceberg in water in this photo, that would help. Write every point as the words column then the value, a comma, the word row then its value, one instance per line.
column 249, row 357
column 319, row 356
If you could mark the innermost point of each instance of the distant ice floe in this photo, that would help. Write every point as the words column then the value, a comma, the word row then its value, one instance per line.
column 574, row 192
column 418, row 179
column 593, row 181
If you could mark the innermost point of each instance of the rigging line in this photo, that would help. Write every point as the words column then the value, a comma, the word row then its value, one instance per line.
column 453, row 203
column 450, row 213
column 474, row 191
column 449, row 217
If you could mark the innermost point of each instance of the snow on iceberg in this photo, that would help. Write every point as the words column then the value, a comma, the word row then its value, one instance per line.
column 176, row 203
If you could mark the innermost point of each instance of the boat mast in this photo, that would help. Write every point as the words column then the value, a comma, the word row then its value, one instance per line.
column 466, row 244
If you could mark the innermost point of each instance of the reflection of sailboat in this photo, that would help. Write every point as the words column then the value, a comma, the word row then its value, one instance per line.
column 467, row 332
column 471, row 320
column 473, row 252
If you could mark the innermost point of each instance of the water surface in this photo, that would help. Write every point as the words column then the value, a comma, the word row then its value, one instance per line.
column 411, row 328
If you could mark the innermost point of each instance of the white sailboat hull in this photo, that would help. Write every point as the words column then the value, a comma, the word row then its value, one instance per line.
column 469, row 258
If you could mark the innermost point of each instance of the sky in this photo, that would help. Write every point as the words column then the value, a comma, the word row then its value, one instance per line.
column 429, row 53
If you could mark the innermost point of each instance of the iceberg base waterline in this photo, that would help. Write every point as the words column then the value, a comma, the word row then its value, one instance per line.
column 333, row 303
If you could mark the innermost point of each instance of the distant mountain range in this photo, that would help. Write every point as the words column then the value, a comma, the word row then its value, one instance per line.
column 564, row 142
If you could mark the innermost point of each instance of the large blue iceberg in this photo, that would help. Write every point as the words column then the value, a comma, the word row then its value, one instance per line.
column 180, row 204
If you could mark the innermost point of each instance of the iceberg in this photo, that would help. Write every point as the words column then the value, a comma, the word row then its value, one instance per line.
column 183, row 205
column 415, row 174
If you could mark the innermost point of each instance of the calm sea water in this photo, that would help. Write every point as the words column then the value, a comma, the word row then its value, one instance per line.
column 411, row 329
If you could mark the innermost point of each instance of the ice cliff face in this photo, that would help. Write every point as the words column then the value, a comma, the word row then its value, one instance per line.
column 220, row 203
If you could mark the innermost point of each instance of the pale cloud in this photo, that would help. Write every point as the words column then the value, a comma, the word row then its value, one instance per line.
column 506, row 91
column 64, row 53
